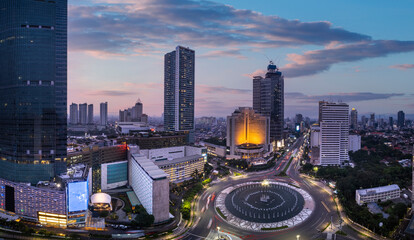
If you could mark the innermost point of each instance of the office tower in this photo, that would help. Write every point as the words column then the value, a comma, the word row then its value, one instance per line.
column 391, row 122
column 401, row 119
column 334, row 133
column 104, row 113
column 248, row 133
column 372, row 120
column 83, row 117
column 179, row 90
column 354, row 119
column 90, row 114
column 133, row 114
column 74, row 114
column 268, row 99
column 137, row 111
column 299, row 118
column 320, row 111
column 33, row 78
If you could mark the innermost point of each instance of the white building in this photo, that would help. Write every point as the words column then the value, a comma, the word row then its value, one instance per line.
column 383, row 193
column 334, row 124
column 315, row 136
column 354, row 143
column 128, row 127
column 151, row 186
column 180, row 163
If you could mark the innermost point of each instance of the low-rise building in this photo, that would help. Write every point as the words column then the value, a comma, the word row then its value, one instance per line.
column 383, row 193
column 180, row 163
column 215, row 150
column 354, row 143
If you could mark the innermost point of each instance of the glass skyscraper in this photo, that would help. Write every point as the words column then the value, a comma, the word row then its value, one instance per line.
column 268, row 99
column 33, row 92
column 179, row 90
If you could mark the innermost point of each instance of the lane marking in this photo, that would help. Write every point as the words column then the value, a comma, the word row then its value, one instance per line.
column 327, row 209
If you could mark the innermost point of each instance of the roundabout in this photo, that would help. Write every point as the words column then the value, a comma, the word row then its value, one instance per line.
column 264, row 206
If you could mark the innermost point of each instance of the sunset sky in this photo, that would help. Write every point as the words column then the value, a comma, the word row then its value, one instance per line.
column 359, row 52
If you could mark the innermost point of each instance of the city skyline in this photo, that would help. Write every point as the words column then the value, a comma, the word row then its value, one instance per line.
column 106, row 65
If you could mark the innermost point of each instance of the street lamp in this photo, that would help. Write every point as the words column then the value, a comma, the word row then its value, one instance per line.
column 297, row 237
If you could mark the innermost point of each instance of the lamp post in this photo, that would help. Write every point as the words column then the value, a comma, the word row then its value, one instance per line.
column 297, row 237
column 218, row 233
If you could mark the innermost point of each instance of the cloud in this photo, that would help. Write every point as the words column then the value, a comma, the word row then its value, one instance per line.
column 344, row 97
column 111, row 93
column 224, row 53
column 221, row 90
column 131, row 27
column 258, row 72
column 316, row 61
column 403, row 66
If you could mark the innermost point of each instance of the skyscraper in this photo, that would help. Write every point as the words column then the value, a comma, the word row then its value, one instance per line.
column 354, row 119
column 74, row 118
column 268, row 99
column 83, row 111
column 90, row 114
column 179, row 90
column 33, row 76
column 401, row 119
column 103, row 113
column 334, row 125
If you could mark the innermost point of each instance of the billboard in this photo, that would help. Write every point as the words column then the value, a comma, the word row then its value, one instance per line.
column 77, row 196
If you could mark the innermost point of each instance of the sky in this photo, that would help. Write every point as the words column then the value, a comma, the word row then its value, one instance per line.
column 358, row 52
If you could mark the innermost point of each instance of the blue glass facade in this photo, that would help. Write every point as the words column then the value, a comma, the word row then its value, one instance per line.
column 33, row 89
column 117, row 173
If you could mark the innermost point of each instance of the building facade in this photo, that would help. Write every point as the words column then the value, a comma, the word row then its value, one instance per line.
column 83, row 114
column 354, row 119
column 90, row 114
column 151, row 186
column 179, row 89
column 268, row 99
column 383, row 193
column 33, row 96
column 248, row 133
column 334, row 131
column 74, row 114
column 401, row 119
column 354, row 143
column 180, row 163
column 27, row 201
column 103, row 113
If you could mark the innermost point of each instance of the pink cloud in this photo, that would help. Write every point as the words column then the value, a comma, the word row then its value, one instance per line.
column 403, row 66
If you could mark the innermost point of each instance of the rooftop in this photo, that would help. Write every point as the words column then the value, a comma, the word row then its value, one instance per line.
column 377, row 190
column 165, row 161
column 149, row 167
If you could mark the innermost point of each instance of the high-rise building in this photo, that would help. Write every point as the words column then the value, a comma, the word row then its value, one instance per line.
column 103, row 113
column 74, row 114
column 83, row 113
column 354, row 119
column 33, row 94
column 372, row 120
column 334, row 133
column 90, row 114
column 391, row 121
column 401, row 119
column 179, row 90
column 133, row 114
column 248, row 133
column 268, row 99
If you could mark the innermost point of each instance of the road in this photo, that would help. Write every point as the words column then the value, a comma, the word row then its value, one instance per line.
column 325, row 209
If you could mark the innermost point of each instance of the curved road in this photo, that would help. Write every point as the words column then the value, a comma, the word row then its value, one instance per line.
column 207, row 220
